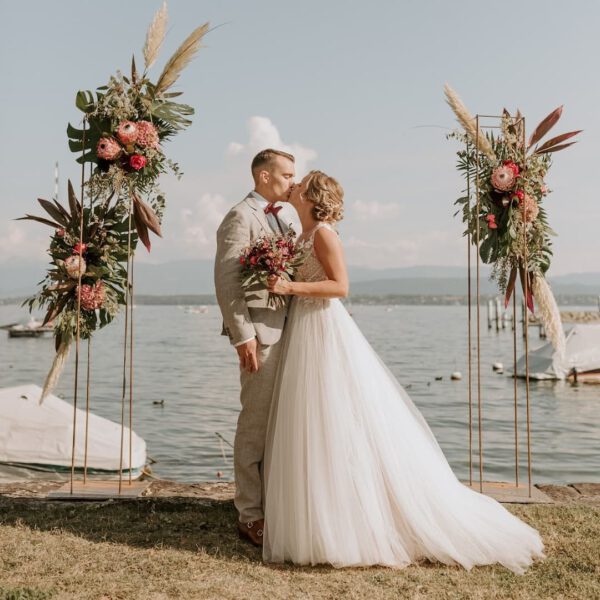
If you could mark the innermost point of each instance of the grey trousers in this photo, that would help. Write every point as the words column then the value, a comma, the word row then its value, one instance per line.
column 250, row 435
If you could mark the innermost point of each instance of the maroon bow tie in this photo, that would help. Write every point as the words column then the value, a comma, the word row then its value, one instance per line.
column 271, row 208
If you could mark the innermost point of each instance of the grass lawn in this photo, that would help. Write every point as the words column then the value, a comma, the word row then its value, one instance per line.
column 154, row 548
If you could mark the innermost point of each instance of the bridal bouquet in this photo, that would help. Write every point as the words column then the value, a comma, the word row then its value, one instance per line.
column 125, row 125
column 512, row 220
column 271, row 255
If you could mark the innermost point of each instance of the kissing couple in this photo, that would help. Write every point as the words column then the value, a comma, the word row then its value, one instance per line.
column 333, row 462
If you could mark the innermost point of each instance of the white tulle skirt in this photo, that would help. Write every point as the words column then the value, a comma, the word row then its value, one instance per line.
column 353, row 473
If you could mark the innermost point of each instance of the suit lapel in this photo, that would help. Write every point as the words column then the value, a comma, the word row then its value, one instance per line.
column 258, row 213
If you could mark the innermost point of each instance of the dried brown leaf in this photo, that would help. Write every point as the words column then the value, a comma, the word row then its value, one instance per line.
column 545, row 126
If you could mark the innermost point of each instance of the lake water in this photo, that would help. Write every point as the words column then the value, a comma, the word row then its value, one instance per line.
column 181, row 358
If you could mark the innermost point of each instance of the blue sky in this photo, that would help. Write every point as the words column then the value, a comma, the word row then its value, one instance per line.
column 353, row 88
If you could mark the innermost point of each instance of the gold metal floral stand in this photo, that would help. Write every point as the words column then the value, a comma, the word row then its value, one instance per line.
column 124, row 487
column 516, row 491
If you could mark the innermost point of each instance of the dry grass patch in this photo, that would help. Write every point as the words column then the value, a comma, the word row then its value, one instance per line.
column 155, row 548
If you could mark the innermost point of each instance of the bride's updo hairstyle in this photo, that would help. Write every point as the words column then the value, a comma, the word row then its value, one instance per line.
column 327, row 196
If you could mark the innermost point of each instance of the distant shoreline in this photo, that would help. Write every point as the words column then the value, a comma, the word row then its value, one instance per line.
column 374, row 299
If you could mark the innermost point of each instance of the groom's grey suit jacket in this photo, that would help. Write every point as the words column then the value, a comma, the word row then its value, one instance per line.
column 245, row 311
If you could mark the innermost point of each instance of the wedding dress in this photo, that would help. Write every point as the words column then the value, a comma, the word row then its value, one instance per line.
column 353, row 474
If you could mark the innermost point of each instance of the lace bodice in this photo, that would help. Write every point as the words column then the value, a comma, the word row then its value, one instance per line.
column 312, row 269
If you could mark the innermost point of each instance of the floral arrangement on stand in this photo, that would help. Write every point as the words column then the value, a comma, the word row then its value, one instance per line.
column 514, row 234
column 271, row 255
column 124, row 126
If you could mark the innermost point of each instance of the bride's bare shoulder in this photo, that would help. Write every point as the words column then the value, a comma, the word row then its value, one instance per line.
column 326, row 238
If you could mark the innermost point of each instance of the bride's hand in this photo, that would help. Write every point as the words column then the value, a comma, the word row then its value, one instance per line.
column 278, row 285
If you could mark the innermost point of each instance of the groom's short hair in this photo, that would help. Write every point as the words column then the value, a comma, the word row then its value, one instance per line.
column 265, row 158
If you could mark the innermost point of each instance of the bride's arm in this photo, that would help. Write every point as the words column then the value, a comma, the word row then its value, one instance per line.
column 329, row 252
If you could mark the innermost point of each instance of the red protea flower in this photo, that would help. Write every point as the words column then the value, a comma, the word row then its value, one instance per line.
column 127, row 132
column 147, row 136
column 108, row 148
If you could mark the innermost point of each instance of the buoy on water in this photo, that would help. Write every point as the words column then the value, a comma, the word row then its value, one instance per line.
column 456, row 376
column 498, row 367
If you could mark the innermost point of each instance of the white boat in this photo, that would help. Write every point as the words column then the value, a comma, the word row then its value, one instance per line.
column 31, row 328
column 581, row 359
column 40, row 436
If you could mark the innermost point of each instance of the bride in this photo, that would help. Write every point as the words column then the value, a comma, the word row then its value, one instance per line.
column 353, row 474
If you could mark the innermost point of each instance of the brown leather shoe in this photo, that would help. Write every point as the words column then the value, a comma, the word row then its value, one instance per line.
column 252, row 531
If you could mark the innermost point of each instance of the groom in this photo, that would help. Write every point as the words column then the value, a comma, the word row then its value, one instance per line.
column 254, row 328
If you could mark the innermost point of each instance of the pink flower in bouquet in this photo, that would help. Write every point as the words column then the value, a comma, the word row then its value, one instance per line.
column 60, row 232
column 544, row 189
column 491, row 221
column 92, row 296
column 79, row 248
column 127, row 132
column 137, row 161
column 518, row 196
column 529, row 208
column 73, row 265
column 503, row 178
column 108, row 148
column 147, row 136
column 513, row 166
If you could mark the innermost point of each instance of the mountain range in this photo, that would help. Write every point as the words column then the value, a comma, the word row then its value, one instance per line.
column 196, row 277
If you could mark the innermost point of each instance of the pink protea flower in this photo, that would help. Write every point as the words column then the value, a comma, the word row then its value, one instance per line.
column 529, row 208
column 147, row 136
column 92, row 296
column 491, row 221
column 73, row 265
column 127, row 132
column 108, row 148
column 503, row 178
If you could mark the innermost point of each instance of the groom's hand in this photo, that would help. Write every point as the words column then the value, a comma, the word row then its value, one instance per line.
column 248, row 356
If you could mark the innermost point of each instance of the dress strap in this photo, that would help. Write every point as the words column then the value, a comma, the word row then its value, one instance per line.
column 320, row 225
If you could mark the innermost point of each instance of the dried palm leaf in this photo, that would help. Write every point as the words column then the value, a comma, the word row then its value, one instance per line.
column 58, row 365
column 468, row 122
column 183, row 55
column 155, row 36
column 545, row 126
column 549, row 314
column 557, row 140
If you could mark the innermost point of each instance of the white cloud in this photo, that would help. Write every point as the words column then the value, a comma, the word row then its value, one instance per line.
column 262, row 133
column 375, row 210
column 22, row 241
column 200, row 222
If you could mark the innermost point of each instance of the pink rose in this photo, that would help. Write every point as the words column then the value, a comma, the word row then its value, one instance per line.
column 77, row 248
column 513, row 166
column 491, row 221
column 137, row 161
